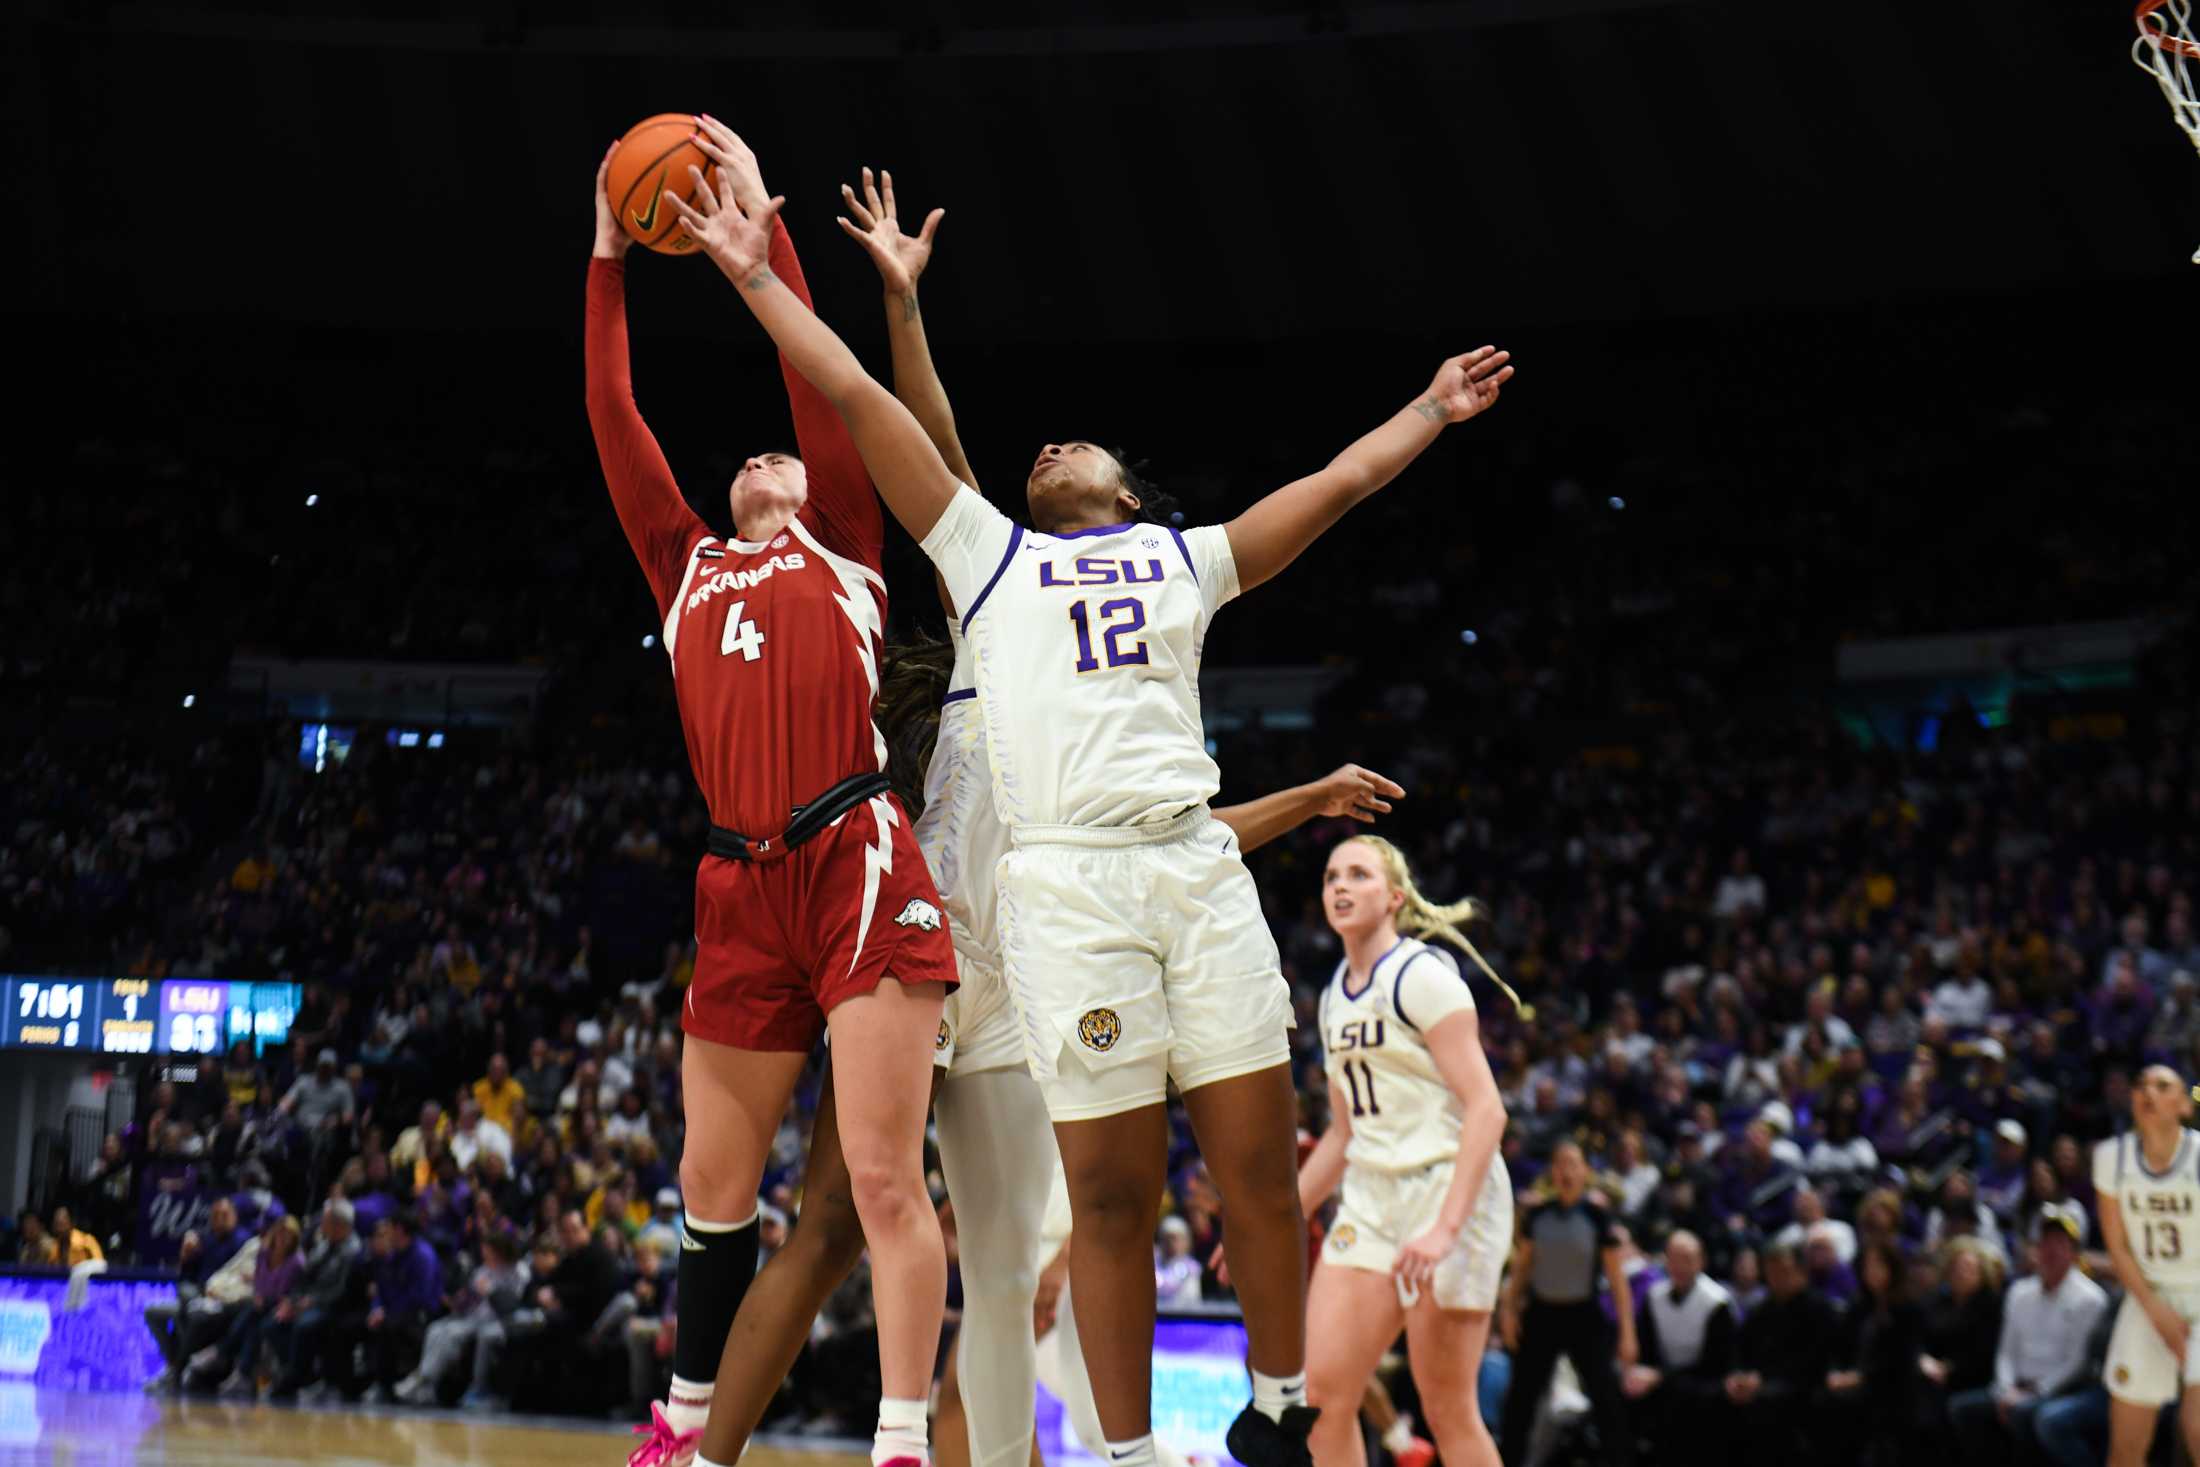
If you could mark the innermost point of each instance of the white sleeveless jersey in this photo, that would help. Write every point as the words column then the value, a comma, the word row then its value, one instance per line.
column 959, row 833
column 2161, row 1210
column 1404, row 1117
column 1084, row 649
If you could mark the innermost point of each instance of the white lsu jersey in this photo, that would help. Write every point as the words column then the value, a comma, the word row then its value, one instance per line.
column 2161, row 1210
column 1084, row 650
column 961, row 837
column 1404, row 1116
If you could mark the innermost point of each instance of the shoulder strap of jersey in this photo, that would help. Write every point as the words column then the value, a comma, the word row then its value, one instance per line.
column 1397, row 979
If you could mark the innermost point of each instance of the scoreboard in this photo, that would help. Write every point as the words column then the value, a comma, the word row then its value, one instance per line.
column 99, row 1015
column 141, row 1015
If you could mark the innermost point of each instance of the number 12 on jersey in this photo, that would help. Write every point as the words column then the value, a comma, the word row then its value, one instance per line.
column 1128, row 614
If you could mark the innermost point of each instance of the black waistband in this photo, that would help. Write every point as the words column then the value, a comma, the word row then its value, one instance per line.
column 808, row 820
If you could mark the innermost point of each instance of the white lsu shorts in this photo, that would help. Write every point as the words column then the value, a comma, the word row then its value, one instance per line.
column 1138, row 955
column 979, row 1029
column 1381, row 1212
column 2140, row 1368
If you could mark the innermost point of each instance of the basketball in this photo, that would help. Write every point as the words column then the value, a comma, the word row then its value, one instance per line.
column 655, row 155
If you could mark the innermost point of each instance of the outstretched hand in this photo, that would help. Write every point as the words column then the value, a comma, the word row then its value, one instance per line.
column 738, row 239
column 900, row 258
column 1359, row 793
column 724, row 147
column 1466, row 385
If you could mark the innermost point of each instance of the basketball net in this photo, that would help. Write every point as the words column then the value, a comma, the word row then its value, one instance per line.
column 2166, row 51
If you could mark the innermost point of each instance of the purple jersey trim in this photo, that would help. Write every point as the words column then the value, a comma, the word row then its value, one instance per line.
column 1344, row 979
column 1015, row 538
column 959, row 695
column 1185, row 551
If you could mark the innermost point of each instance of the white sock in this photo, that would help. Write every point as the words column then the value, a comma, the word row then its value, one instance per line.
column 687, row 1404
column 1400, row 1435
column 1137, row 1452
column 901, row 1432
column 1271, row 1393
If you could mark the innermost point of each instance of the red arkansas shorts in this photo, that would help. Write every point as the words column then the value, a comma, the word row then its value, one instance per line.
column 780, row 943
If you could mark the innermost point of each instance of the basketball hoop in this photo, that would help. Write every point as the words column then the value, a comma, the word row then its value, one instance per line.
column 2166, row 50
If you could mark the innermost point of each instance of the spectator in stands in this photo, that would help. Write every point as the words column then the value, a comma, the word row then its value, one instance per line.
column 77, row 1246
column 1962, row 1327
column 475, row 1134
column 2002, row 1181
column 274, row 1274
column 1962, row 1215
column 35, row 1247
column 1870, row 1402
column 570, row 1301
column 1964, row 998
column 331, row 1286
column 663, row 1227
column 501, row 1098
column 201, row 1253
column 1176, row 1273
column 2071, row 1430
column 1781, row 1359
column 1741, row 892
column 1809, row 1207
column 409, row 1156
column 1687, row 1347
column 541, row 1080
column 405, row 1287
column 649, row 1296
column 491, row 1295
column 1753, row 1193
column 2046, row 1320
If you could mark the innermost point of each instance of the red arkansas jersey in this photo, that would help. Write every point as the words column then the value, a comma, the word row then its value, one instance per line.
column 774, row 645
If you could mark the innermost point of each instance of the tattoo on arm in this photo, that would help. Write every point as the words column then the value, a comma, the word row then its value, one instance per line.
column 908, row 306
column 1431, row 409
column 760, row 279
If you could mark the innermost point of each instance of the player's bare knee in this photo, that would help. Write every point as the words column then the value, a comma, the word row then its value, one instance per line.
column 828, row 1232
column 711, row 1191
column 887, row 1193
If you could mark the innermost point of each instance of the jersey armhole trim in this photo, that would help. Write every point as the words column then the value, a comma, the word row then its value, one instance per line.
column 687, row 578
column 1015, row 538
column 1185, row 551
column 958, row 696
column 1398, row 983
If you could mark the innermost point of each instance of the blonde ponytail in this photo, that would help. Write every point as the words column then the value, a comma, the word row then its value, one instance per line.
column 1425, row 919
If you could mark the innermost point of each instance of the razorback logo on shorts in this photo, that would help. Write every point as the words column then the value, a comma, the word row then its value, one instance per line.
column 1344, row 1237
column 1099, row 1029
column 920, row 914
column 946, row 1037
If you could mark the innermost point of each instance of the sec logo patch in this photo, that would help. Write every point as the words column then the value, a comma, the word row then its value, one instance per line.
column 1099, row 1029
column 780, row 543
column 1344, row 1237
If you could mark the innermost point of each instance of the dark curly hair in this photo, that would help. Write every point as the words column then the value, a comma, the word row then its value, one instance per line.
column 1156, row 506
column 913, row 678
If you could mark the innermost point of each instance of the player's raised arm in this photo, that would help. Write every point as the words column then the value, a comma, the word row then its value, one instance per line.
column 657, row 520
column 840, row 486
column 912, row 478
column 901, row 260
column 1271, row 534
column 1360, row 793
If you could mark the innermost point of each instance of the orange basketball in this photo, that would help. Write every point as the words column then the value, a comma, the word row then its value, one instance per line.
column 654, row 156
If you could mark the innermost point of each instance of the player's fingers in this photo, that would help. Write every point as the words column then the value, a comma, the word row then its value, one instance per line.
column 725, row 185
column 1381, row 785
column 1380, row 806
column 862, row 215
column 706, row 198
column 931, row 222
column 695, row 222
column 886, row 190
column 870, row 192
column 1488, row 365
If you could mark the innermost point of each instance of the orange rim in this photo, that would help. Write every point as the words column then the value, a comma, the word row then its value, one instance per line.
column 2151, row 27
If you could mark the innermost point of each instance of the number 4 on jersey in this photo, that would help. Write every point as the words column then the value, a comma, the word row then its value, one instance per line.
column 741, row 636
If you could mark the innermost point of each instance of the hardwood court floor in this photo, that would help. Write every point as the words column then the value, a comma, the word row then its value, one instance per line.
column 72, row 1429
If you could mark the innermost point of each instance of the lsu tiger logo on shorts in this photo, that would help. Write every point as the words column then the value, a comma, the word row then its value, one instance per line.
column 947, row 1037
column 1099, row 1029
column 919, row 914
column 2123, row 1375
column 1344, row 1237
